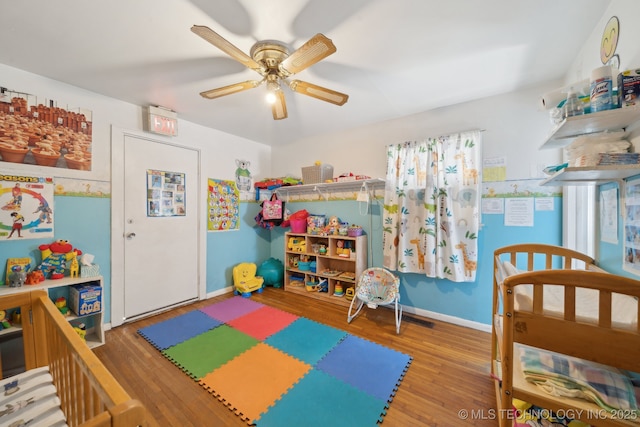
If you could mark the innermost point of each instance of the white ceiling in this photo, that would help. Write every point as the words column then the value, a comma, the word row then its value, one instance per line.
column 394, row 58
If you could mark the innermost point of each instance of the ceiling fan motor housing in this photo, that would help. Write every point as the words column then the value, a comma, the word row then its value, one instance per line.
column 270, row 53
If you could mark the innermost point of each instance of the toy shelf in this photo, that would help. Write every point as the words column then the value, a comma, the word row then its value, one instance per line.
column 93, row 321
column 333, row 263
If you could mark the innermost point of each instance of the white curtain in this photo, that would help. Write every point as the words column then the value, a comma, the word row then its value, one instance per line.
column 432, row 206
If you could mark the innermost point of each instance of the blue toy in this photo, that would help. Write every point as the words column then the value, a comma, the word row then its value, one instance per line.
column 272, row 271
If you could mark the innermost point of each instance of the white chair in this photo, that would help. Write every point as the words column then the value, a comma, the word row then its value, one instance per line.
column 377, row 286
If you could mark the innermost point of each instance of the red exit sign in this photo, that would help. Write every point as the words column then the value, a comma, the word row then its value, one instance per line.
column 162, row 121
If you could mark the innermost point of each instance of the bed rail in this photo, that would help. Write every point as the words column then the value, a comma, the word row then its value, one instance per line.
column 90, row 396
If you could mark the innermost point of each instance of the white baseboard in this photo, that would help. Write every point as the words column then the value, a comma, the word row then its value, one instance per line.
column 219, row 292
column 446, row 318
column 413, row 310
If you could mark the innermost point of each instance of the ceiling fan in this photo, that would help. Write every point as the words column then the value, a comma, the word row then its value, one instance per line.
column 273, row 61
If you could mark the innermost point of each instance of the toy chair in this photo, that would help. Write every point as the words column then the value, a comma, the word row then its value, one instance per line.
column 377, row 286
column 245, row 280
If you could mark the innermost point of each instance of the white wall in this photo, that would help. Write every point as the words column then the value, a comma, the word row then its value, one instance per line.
column 628, row 13
column 219, row 149
column 515, row 127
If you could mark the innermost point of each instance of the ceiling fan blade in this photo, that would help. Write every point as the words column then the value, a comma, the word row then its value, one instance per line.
column 279, row 108
column 228, row 90
column 221, row 43
column 314, row 50
column 318, row 92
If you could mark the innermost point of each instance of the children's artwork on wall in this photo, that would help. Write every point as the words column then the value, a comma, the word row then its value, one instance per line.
column 165, row 194
column 82, row 188
column 44, row 135
column 243, row 175
column 223, row 211
column 26, row 207
column 631, row 262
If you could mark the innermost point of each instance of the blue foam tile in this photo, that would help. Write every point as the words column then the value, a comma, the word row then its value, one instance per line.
column 368, row 366
column 306, row 340
column 178, row 329
column 320, row 400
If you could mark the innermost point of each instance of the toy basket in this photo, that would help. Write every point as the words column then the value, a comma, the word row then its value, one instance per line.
column 355, row 231
column 317, row 174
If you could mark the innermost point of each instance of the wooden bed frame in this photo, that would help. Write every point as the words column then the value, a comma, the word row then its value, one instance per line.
column 90, row 396
column 601, row 342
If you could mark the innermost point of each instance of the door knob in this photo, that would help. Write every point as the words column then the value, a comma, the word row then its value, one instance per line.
column 131, row 235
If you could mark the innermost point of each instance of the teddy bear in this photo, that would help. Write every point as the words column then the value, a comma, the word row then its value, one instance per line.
column 55, row 256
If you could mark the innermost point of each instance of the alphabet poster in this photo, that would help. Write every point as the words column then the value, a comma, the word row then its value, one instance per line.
column 26, row 207
column 223, row 205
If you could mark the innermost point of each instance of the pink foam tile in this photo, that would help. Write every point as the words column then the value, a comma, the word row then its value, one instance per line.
column 263, row 322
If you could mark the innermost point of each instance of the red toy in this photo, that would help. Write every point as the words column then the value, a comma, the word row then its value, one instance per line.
column 55, row 257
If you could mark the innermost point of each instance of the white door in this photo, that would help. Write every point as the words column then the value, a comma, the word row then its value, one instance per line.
column 160, row 252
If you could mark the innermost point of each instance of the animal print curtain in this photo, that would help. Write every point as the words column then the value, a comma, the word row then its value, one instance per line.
column 431, row 206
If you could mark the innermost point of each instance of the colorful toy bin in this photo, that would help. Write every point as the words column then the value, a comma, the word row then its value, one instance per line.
column 298, row 225
column 272, row 271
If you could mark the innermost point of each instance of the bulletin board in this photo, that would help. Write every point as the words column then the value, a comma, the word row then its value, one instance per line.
column 165, row 194
column 631, row 262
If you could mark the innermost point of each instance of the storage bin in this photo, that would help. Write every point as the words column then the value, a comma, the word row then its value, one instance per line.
column 298, row 225
column 317, row 174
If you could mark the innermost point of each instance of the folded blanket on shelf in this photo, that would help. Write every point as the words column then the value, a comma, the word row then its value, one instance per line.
column 566, row 376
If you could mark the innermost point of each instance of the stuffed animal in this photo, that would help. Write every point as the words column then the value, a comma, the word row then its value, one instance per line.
column 18, row 276
column 34, row 277
column 55, row 257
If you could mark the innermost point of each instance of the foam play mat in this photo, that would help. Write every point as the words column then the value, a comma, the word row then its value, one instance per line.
column 273, row 368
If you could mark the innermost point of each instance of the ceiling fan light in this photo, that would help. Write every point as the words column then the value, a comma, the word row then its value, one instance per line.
column 271, row 97
column 272, row 89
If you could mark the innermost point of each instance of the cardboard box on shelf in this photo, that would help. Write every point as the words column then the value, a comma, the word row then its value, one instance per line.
column 85, row 299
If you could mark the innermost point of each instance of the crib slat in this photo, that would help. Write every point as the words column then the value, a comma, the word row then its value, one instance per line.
column 570, row 303
column 604, row 309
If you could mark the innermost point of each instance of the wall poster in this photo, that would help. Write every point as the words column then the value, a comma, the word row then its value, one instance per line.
column 631, row 261
column 165, row 194
column 26, row 207
column 40, row 132
column 223, row 205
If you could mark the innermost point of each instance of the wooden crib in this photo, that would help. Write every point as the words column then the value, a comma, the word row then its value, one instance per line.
column 539, row 303
column 89, row 395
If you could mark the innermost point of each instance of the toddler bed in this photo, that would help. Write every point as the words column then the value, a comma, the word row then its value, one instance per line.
column 565, row 337
column 64, row 383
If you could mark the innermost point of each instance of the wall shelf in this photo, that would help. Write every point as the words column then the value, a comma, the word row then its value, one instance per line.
column 587, row 175
column 324, row 188
column 572, row 127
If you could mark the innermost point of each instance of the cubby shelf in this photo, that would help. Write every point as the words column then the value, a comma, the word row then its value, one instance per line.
column 95, row 331
column 300, row 245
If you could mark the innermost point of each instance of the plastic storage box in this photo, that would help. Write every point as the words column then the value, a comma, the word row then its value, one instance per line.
column 317, row 174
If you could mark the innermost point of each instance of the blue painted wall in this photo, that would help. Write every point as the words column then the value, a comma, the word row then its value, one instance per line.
column 86, row 223
column 470, row 300
column 227, row 248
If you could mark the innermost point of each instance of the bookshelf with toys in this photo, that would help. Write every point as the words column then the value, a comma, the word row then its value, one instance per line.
column 324, row 267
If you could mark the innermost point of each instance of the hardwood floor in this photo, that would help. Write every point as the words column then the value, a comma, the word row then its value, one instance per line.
column 449, row 373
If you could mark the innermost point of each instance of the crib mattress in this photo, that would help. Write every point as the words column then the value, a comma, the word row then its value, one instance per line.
column 624, row 308
column 30, row 398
